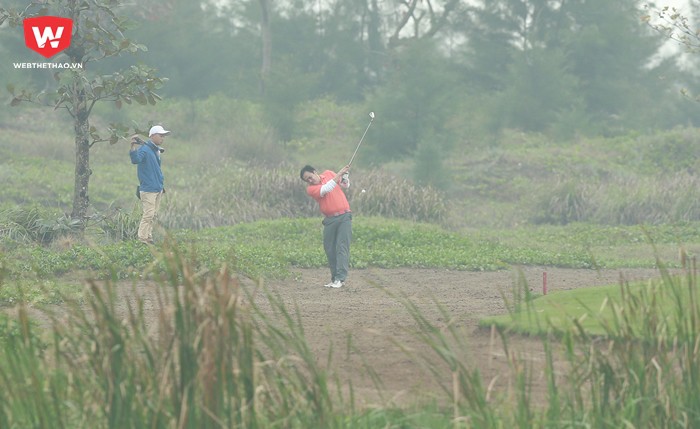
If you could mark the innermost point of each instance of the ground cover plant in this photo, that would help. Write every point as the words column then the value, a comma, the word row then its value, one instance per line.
column 275, row 248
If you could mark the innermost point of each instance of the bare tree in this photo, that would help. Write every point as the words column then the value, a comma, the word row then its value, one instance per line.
column 415, row 13
column 675, row 24
column 679, row 27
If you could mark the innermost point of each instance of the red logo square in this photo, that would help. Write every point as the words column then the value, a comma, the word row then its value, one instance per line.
column 48, row 35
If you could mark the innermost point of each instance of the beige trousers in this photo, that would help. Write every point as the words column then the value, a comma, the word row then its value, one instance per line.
column 150, row 201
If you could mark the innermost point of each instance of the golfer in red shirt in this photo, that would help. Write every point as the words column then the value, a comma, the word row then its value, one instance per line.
column 327, row 189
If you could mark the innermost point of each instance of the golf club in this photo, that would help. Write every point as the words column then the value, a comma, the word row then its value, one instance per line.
column 371, row 118
column 141, row 143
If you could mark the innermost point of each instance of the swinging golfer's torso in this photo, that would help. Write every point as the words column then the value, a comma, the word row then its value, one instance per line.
column 333, row 203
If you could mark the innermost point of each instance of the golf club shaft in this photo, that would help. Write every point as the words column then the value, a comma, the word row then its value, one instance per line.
column 362, row 138
column 141, row 143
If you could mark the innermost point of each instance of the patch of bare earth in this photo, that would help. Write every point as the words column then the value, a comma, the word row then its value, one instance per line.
column 379, row 326
column 366, row 327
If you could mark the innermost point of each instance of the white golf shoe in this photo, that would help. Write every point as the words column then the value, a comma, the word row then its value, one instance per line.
column 335, row 284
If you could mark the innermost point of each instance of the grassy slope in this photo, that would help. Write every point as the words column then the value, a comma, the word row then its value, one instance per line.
column 632, row 179
column 644, row 310
column 514, row 180
column 496, row 192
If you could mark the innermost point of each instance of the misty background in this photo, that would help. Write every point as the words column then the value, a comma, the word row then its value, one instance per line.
column 564, row 67
column 456, row 85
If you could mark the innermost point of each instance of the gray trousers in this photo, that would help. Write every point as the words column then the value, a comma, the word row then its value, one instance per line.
column 337, row 233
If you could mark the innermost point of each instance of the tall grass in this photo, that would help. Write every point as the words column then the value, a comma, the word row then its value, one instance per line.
column 621, row 200
column 224, row 355
column 230, row 195
column 644, row 372
column 393, row 197
column 513, row 179
column 236, row 195
column 32, row 224
column 466, row 394
column 212, row 360
column 647, row 371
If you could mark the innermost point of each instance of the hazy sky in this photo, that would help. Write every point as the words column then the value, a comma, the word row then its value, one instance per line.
column 672, row 47
column 676, row 3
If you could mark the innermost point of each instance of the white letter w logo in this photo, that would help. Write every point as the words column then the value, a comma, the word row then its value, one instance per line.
column 55, row 30
column 47, row 35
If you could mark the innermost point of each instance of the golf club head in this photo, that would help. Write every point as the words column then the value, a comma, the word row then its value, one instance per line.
column 371, row 115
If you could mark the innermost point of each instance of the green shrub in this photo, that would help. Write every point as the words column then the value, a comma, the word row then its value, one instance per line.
column 563, row 203
column 33, row 224
column 119, row 225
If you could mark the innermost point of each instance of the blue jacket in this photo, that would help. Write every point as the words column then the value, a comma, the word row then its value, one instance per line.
column 148, row 167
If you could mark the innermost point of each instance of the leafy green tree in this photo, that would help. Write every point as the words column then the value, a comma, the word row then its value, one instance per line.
column 283, row 60
column 675, row 24
column 97, row 34
column 415, row 104
column 344, row 45
column 514, row 55
column 14, row 50
column 543, row 60
column 200, row 51
column 429, row 166
column 537, row 90
column 609, row 53
column 352, row 48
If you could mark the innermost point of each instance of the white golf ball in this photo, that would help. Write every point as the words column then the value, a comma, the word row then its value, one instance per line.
column 363, row 191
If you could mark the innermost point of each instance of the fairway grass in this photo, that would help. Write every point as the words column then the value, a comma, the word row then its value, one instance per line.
column 596, row 309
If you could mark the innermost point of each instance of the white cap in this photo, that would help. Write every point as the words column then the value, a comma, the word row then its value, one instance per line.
column 157, row 129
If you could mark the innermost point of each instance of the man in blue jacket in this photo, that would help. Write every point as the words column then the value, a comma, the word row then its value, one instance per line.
column 147, row 158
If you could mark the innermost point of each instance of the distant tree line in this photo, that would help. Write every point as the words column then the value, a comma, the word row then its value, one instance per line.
column 439, row 71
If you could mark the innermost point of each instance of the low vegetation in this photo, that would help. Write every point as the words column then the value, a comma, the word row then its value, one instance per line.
column 275, row 248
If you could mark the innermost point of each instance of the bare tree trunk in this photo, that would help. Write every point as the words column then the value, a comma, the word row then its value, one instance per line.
column 81, row 199
column 266, row 43
column 374, row 40
column 81, row 125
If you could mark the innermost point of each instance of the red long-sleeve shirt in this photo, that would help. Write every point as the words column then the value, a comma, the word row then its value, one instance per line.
column 333, row 203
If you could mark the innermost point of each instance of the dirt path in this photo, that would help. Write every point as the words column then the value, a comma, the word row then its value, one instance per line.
column 367, row 327
column 379, row 323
